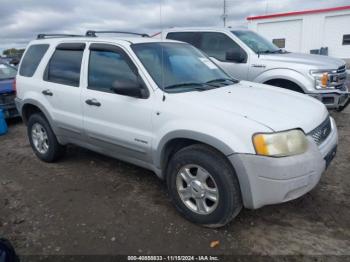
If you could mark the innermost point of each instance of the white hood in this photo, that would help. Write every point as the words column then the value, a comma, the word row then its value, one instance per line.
column 273, row 107
column 312, row 61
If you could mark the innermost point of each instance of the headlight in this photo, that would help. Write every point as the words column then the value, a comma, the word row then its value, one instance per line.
column 322, row 79
column 280, row 144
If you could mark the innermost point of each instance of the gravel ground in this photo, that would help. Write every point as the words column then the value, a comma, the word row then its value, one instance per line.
column 91, row 204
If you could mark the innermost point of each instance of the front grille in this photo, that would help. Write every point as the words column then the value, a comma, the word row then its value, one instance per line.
column 320, row 133
column 337, row 78
column 7, row 99
column 341, row 69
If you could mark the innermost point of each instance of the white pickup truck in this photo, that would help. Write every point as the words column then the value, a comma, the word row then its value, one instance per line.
column 245, row 55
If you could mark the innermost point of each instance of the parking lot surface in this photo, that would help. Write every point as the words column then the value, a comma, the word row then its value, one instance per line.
column 91, row 204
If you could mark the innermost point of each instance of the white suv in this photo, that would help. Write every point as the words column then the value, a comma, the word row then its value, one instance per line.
column 220, row 144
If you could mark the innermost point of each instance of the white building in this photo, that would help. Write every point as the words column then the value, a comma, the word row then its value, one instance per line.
column 304, row 31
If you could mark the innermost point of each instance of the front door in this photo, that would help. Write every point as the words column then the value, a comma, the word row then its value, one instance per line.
column 115, row 124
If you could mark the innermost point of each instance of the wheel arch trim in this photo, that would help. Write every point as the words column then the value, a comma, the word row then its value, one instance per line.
column 192, row 135
column 285, row 74
column 22, row 103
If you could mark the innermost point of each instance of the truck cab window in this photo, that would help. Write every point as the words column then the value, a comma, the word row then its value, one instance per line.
column 217, row 45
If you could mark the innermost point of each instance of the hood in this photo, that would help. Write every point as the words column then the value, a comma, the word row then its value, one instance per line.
column 276, row 108
column 316, row 61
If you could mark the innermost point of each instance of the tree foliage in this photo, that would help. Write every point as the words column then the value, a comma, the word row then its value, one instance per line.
column 13, row 52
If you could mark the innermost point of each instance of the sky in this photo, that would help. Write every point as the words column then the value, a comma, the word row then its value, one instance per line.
column 22, row 20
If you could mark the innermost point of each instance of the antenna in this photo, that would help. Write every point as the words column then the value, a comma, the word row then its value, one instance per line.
column 160, row 18
column 161, row 36
column 224, row 15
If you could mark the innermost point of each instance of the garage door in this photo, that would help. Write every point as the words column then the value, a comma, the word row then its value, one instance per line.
column 289, row 30
column 334, row 29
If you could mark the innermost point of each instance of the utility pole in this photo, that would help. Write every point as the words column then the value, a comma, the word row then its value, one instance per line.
column 224, row 16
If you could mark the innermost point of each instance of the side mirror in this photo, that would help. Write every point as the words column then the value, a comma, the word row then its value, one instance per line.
column 236, row 56
column 132, row 88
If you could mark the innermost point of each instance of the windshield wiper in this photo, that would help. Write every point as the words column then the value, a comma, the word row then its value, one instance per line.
column 271, row 52
column 196, row 86
column 222, row 80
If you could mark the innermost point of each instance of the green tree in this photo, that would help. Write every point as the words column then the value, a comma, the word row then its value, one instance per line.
column 13, row 52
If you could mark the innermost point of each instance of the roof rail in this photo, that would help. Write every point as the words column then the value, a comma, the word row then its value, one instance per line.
column 44, row 36
column 93, row 33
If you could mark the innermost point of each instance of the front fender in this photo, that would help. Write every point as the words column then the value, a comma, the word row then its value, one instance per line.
column 193, row 135
column 287, row 74
column 224, row 139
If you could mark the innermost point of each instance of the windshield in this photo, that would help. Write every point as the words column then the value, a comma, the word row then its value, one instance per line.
column 179, row 67
column 7, row 72
column 256, row 42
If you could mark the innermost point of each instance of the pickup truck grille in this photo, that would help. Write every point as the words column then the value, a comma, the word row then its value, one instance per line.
column 338, row 78
column 341, row 69
column 320, row 133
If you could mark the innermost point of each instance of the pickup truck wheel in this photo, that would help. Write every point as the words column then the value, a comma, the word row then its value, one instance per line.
column 42, row 139
column 203, row 186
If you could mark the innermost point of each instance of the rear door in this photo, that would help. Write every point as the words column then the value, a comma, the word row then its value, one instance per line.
column 61, row 89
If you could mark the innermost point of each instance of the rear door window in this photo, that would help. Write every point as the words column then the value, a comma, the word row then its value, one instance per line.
column 32, row 59
column 65, row 64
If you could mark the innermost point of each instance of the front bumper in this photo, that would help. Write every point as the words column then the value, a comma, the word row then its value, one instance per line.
column 333, row 99
column 271, row 180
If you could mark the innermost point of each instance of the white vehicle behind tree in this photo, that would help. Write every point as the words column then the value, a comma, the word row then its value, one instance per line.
column 219, row 143
column 248, row 56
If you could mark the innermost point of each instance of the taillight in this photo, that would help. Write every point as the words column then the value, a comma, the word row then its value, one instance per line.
column 14, row 85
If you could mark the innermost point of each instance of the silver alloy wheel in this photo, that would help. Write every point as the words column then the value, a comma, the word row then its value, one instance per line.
column 197, row 189
column 39, row 138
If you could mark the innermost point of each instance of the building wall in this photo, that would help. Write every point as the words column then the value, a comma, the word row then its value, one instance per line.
column 291, row 30
column 310, row 31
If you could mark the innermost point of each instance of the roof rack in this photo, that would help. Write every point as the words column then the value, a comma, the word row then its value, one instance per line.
column 93, row 33
column 44, row 36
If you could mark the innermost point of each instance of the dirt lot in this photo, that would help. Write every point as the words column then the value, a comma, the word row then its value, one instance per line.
column 91, row 204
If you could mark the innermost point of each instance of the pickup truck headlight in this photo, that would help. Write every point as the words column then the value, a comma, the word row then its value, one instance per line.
column 322, row 78
column 286, row 143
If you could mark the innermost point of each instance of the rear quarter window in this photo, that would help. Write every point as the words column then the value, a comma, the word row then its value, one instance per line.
column 32, row 59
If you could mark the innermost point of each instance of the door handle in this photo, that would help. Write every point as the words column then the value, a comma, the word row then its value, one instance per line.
column 93, row 102
column 47, row 92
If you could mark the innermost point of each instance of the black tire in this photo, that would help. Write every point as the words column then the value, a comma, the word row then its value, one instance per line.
column 230, row 202
column 55, row 150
